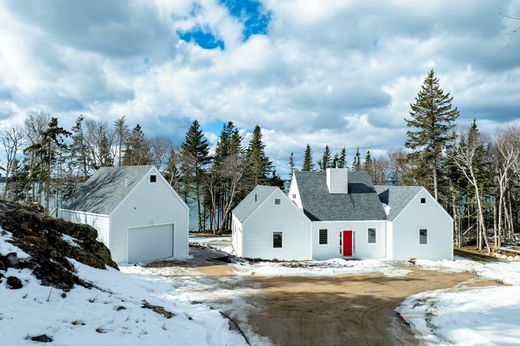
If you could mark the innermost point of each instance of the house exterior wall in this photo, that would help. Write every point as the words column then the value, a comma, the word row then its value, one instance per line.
column 362, row 249
column 389, row 239
column 149, row 204
column 236, row 236
column 416, row 216
column 294, row 194
column 100, row 222
column 257, row 231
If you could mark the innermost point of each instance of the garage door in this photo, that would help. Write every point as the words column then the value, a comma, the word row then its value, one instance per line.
column 150, row 243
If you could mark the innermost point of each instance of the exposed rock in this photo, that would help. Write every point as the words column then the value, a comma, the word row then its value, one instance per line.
column 14, row 283
column 41, row 237
column 157, row 309
column 41, row 338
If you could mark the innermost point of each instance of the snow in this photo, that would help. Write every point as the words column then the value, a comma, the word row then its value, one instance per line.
column 96, row 317
column 71, row 241
column 219, row 243
column 336, row 266
column 468, row 316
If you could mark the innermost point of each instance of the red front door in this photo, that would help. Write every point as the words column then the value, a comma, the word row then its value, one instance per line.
column 347, row 243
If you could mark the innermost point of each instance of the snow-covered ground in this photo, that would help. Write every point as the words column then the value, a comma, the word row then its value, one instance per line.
column 468, row 316
column 219, row 243
column 111, row 314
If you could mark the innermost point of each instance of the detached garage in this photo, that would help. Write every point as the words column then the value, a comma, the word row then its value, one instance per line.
column 137, row 214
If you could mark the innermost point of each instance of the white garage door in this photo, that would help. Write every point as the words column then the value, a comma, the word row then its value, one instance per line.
column 150, row 243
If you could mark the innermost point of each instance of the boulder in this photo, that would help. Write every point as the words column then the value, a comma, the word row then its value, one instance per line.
column 14, row 283
column 41, row 338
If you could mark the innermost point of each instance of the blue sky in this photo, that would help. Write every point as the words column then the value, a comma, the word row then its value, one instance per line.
column 336, row 72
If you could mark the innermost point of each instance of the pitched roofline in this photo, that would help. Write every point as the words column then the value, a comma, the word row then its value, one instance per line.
column 254, row 211
column 411, row 200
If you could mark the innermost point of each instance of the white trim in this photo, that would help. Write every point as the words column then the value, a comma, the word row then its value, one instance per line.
column 83, row 212
column 419, row 235
column 272, row 233
column 368, row 236
column 258, row 207
column 327, row 243
column 151, row 225
column 436, row 203
column 172, row 190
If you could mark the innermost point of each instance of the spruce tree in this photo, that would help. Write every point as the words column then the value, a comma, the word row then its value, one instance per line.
column 356, row 164
column 121, row 132
column 325, row 161
column 79, row 149
column 292, row 166
column 307, row 159
column 369, row 163
column 431, row 122
column 137, row 149
column 335, row 161
column 342, row 159
column 259, row 166
column 195, row 152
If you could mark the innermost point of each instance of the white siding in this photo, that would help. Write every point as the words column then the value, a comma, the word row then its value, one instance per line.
column 362, row 249
column 430, row 216
column 389, row 239
column 149, row 204
column 236, row 238
column 257, row 235
column 293, row 191
column 100, row 222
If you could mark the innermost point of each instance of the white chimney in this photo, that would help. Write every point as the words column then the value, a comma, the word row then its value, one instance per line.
column 337, row 180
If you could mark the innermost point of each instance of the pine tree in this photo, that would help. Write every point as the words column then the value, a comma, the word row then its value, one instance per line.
column 105, row 154
column 369, row 163
column 195, row 152
column 307, row 159
column 431, row 122
column 325, row 161
column 275, row 180
column 292, row 166
column 121, row 132
column 79, row 155
column 259, row 166
column 356, row 164
column 335, row 161
column 342, row 160
column 137, row 149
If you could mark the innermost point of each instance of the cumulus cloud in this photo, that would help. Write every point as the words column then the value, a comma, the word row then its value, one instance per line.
column 336, row 72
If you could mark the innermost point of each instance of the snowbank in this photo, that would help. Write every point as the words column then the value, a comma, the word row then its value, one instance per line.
column 336, row 266
column 480, row 316
column 110, row 314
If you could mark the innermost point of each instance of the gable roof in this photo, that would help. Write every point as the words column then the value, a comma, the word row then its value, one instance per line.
column 396, row 197
column 360, row 203
column 105, row 190
column 249, row 204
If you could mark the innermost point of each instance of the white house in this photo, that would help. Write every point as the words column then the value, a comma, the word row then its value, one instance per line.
column 137, row 214
column 338, row 213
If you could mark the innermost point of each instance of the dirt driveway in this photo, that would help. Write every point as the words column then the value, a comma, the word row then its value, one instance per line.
column 309, row 310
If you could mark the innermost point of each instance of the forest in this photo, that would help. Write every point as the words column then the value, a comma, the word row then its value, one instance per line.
column 473, row 175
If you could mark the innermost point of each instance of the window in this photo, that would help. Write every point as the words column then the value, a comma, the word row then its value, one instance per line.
column 277, row 239
column 371, row 235
column 256, row 197
column 323, row 236
column 294, row 196
column 423, row 200
column 423, row 236
column 277, row 201
column 153, row 178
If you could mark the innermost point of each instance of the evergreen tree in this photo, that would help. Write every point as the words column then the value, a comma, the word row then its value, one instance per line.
column 276, row 180
column 335, row 161
column 307, row 159
column 431, row 122
column 79, row 149
column 259, row 166
column 122, row 133
column 356, row 164
column 195, row 152
column 105, row 154
column 369, row 163
column 342, row 159
column 292, row 166
column 325, row 161
column 137, row 149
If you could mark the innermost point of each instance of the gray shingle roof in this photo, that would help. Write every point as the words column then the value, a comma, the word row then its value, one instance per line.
column 250, row 203
column 103, row 191
column 361, row 203
column 396, row 197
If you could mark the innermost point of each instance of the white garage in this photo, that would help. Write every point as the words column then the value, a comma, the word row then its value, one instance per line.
column 150, row 243
column 137, row 214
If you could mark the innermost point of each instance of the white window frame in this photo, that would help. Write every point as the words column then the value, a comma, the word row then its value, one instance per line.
column 150, row 179
column 278, row 199
column 427, row 237
column 375, row 235
column 272, row 239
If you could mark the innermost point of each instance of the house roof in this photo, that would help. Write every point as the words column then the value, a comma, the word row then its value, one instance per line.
column 105, row 190
column 396, row 197
column 360, row 203
column 250, row 203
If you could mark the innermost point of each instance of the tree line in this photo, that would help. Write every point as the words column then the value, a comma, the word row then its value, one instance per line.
column 474, row 176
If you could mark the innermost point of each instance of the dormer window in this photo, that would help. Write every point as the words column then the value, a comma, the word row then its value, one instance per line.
column 153, row 178
column 277, row 201
column 423, row 200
